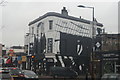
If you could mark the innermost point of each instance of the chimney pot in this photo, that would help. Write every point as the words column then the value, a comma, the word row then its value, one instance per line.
column 64, row 11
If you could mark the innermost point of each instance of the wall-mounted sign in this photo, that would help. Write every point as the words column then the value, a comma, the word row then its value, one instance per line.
column 24, row 58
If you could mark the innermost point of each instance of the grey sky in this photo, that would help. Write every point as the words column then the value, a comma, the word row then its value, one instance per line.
column 17, row 15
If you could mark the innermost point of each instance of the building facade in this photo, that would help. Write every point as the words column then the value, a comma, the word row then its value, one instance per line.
column 111, row 53
column 110, row 42
column 108, row 55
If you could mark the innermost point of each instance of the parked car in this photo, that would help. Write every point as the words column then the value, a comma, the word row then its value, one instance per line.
column 5, row 75
column 2, row 69
column 63, row 72
column 16, row 73
column 111, row 76
column 30, row 75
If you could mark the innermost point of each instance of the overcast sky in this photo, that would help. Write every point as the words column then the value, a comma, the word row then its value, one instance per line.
column 15, row 15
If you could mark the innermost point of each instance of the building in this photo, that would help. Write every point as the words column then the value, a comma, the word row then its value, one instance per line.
column 58, row 34
column 3, row 50
column 0, row 50
column 110, row 42
column 109, row 54
column 17, row 49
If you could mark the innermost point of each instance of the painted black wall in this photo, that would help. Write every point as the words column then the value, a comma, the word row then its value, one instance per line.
column 69, row 44
column 81, row 55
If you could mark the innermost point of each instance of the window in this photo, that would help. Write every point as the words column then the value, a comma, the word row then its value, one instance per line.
column 50, row 45
column 32, row 30
column 50, row 24
column 37, row 31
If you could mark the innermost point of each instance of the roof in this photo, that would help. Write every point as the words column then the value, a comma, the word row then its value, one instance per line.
column 111, row 35
column 17, row 47
column 62, row 16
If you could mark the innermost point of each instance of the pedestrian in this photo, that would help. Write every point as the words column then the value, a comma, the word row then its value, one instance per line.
column 15, row 62
column 3, row 61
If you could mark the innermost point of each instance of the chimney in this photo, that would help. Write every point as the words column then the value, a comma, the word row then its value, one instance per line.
column 80, row 17
column 64, row 11
column 104, row 31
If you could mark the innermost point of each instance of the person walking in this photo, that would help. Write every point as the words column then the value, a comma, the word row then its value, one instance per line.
column 9, row 61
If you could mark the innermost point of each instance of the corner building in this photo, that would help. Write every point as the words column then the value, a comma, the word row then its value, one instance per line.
column 60, row 36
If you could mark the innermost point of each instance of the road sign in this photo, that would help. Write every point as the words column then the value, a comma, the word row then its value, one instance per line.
column 98, row 44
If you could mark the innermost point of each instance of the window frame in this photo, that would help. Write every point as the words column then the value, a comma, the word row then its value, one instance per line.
column 50, row 24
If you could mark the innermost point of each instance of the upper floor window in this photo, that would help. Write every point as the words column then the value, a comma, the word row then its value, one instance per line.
column 50, row 24
column 41, row 27
column 32, row 30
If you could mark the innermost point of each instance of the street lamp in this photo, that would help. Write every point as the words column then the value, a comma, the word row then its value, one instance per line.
column 82, row 6
column 93, row 34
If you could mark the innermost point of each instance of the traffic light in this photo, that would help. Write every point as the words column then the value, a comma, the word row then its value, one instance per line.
column 32, row 56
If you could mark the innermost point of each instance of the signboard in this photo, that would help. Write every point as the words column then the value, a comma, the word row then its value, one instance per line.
column 110, row 56
column 24, row 58
column 110, row 59
column 19, row 58
column 98, row 43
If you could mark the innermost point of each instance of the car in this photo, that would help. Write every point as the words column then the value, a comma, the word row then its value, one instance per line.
column 10, row 68
column 65, row 72
column 111, row 76
column 16, row 73
column 30, row 75
column 5, row 75
column 3, row 70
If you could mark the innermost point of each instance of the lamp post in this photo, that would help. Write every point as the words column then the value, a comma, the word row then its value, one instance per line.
column 93, row 34
column 82, row 6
